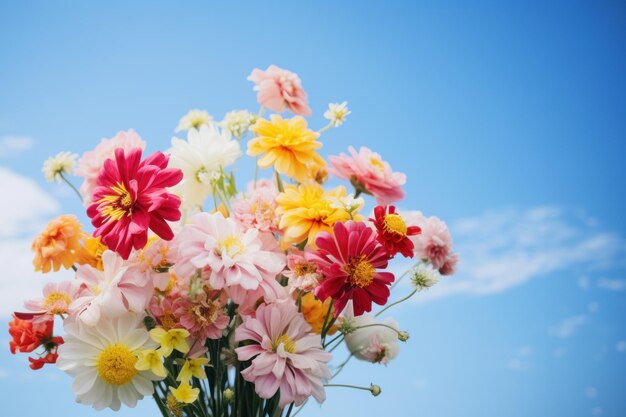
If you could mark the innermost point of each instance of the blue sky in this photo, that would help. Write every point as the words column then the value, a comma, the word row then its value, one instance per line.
column 508, row 119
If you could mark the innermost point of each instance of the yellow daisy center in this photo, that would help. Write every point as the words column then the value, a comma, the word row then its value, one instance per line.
column 57, row 302
column 394, row 223
column 116, row 364
column 231, row 246
column 360, row 271
column 288, row 344
column 120, row 202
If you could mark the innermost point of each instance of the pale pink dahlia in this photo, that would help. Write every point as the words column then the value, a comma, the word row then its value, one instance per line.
column 369, row 174
column 434, row 243
column 57, row 298
column 279, row 89
column 131, row 197
column 285, row 355
column 235, row 257
column 302, row 274
column 91, row 163
column 257, row 207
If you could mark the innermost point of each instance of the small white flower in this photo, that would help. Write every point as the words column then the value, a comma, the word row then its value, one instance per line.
column 423, row 277
column 193, row 120
column 62, row 163
column 237, row 122
column 337, row 113
column 348, row 203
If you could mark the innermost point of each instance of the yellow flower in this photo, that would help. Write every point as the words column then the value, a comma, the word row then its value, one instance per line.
column 58, row 245
column 170, row 340
column 287, row 145
column 307, row 210
column 152, row 360
column 92, row 252
column 193, row 367
column 315, row 312
column 184, row 393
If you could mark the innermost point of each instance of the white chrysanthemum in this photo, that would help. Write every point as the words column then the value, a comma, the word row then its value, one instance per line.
column 201, row 157
column 193, row 120
column 424, row 277
column 237, row 122
column 337, row 113
column 102, row 359
column 61, row 163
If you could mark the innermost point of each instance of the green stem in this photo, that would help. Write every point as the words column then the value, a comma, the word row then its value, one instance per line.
column 404, row 274
column 396, row 303
column 71, row 186
column 279, row 182
column 378, row 325
column 325, row 128
column 349, row 386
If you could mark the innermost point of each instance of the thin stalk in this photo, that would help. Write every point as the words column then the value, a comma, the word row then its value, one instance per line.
column 71, row 186
column 279, row 182
column 404, row 274
column 387, row 307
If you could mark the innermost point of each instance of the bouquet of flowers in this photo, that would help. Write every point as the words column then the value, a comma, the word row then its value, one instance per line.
column 219, row 302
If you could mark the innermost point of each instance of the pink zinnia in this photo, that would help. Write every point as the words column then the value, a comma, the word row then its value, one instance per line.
column 279, row 89
column 285, row 355
column 369, row 174
column 131, row 197
column 434, row 243
column 91, row 163
column 57, row 298
column 351, row 261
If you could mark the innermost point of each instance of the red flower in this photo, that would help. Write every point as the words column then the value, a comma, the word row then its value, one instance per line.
column 350, row 262
column 131, row 197
column 28, row 334
column 393, row 232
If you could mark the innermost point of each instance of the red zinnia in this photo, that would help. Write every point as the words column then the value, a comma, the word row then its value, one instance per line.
column 393, row 232
column 131, row 197
column 350, row 262
column 28, row 334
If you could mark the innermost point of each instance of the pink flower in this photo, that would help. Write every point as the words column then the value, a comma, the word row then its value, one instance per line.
column 132, row 197
column 235, row 257
column 434, row 243
column 279, row 89
column 351, row 262
column 303, row 275
column 57, row 298
column 449, row 266
column 203, row 317
column 113, row 292
column 285, row 355
column 256, row 208
column 91, row 163
column 369, row 174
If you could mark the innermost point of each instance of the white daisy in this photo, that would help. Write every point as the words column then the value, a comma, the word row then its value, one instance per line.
column 102, row 359
column 337, row 113
column 61, row 163
column 237, row 122
column 193, row 120
column 201, row 157
column 424, row 277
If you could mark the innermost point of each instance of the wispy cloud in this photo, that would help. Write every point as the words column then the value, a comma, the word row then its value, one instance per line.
column 13, row 145
column 503, row 249
column 612, row 284
column 569, row 325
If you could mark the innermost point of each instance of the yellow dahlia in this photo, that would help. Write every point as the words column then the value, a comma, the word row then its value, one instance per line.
column 315, row 312
column 286, row 144
column 307, row 209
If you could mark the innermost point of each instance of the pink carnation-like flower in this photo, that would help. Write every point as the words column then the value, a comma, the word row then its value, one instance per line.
column 256, row 208
column 303, row 275
column 369, row 173
column 351, row 261
column 91, row 163
column 434, row 243
column 203, row 317
column 132, row 197
column 113, row 292
column 278, row 89
column 285, row 355
column 235, row 257
column 57, row 298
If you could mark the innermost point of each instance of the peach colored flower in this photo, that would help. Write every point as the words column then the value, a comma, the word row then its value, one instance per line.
column 279, row 89
column 58, row 245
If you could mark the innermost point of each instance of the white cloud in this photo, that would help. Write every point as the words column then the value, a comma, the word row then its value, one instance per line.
column 569, row 325
column 505, row 248
column 13, row 145
column 19, row 221
column 621, row 346
column 612, row 284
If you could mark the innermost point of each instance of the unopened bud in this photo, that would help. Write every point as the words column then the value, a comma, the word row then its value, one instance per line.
column 403, row 336
column 375, row 390
column 228, row 394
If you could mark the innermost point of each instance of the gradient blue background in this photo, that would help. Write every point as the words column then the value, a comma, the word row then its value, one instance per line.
column 492, row 110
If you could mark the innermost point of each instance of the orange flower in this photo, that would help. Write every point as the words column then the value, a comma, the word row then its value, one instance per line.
column 315, row 312
column 91, row 252
column 58, row 245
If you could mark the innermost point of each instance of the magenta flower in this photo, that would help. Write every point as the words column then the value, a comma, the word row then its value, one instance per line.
column 285, row 355
column 279, row 89
column 131, row 197
column 369, row 174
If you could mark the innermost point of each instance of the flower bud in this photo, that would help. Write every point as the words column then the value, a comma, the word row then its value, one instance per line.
column 403, row 336
column 375, row 390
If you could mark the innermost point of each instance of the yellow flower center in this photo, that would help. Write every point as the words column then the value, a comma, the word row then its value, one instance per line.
column 304, row 268
column 57, row 302
column 120, row 203
column 231, row 246
column 360, row 271
column 394, row 223
column 168, row 321
column 377, row 163
column 288, row 344
column 116, row 364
